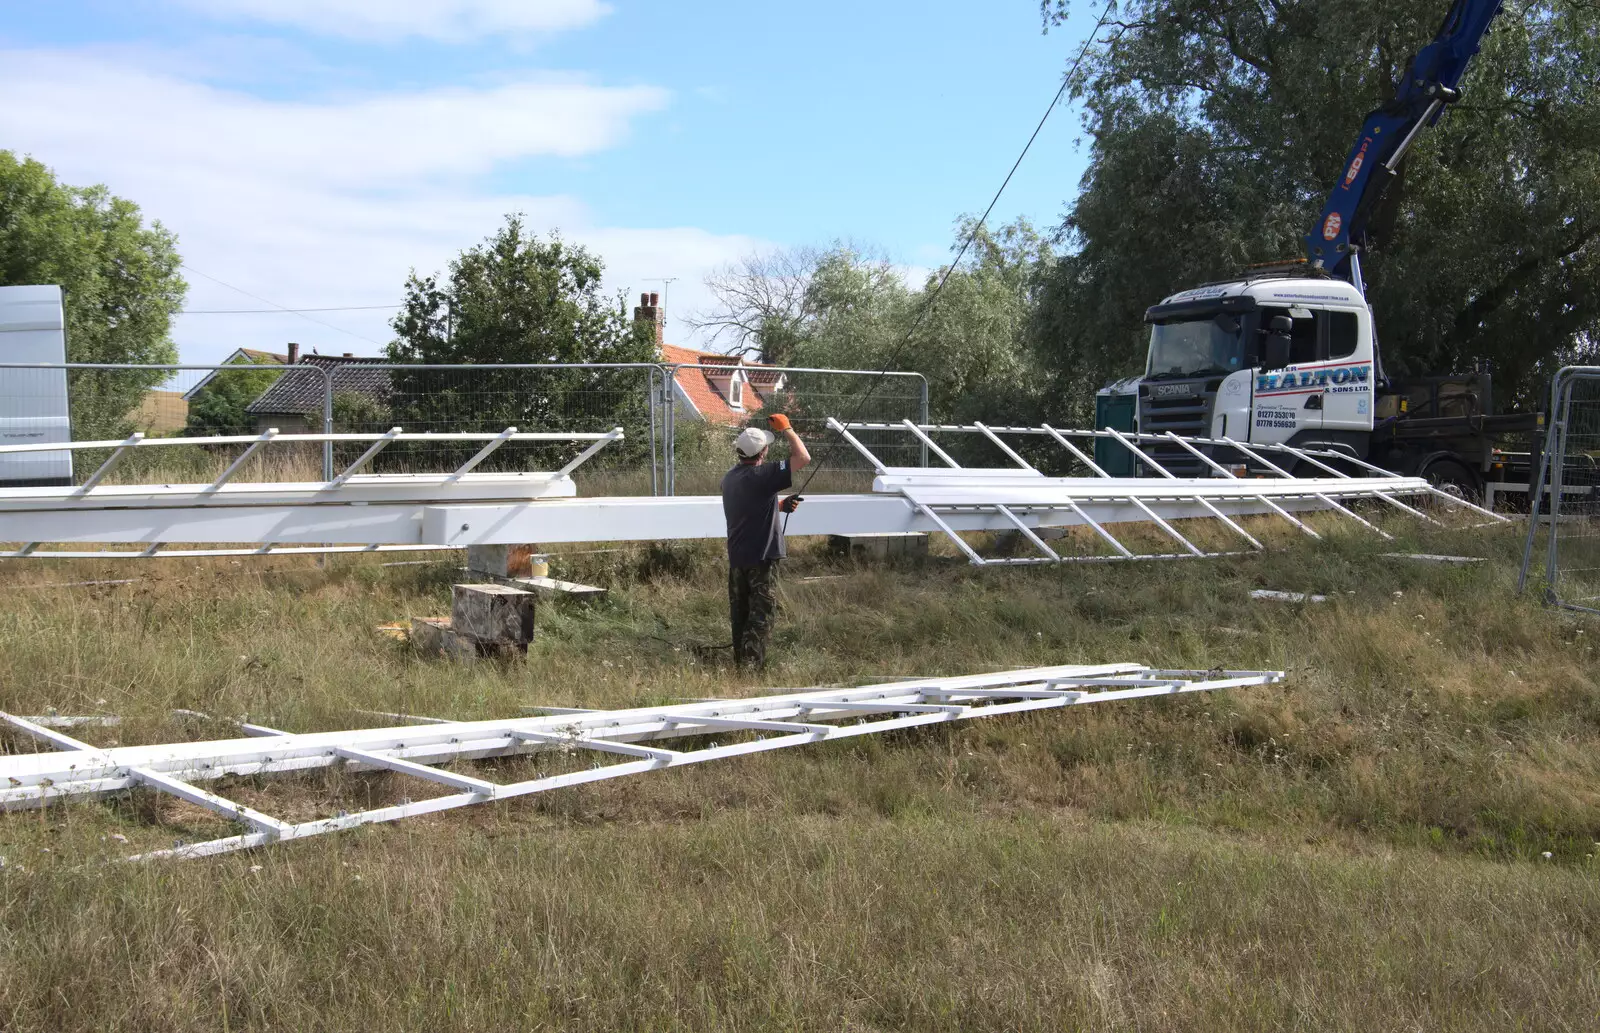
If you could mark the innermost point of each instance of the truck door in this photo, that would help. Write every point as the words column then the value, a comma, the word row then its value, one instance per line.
column 1291, row 400
column 1347, row 407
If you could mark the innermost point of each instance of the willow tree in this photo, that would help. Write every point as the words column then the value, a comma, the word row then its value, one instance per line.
column 1218, row 128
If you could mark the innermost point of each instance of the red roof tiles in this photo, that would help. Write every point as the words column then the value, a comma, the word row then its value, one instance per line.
column 707, row 390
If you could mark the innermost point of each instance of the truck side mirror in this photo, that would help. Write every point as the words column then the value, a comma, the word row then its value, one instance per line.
column 1279, row 329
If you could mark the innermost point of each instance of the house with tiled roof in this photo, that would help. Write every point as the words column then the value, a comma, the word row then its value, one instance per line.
column 294, row 404
column 242, row 357
column 711, row 386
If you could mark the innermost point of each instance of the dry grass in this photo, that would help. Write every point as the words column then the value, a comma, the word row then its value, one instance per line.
column 1357, row 849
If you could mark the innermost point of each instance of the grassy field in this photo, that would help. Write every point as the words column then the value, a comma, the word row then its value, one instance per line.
column 1401, row 836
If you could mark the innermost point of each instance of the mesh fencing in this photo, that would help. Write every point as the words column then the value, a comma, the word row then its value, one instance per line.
column 1570, row 511
column 679, row 421
column 703, row 448
column 104, row 402
column 373, row 397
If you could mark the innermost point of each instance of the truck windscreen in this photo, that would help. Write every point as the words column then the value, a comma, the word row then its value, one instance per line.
column 1196, row 348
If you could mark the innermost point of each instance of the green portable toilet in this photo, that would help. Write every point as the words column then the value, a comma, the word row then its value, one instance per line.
column 1115, row 406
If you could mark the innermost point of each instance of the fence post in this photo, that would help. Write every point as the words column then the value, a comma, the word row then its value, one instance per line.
column 1536, row 486
column 650, row 390
column 668, row 388
column 925, row 416
column 1552, row 559
column 327, row 422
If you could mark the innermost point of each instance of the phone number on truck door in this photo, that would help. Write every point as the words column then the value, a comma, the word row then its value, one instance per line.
column 1277, row 419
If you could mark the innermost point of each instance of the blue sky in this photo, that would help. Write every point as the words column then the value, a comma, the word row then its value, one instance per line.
column 311, row 151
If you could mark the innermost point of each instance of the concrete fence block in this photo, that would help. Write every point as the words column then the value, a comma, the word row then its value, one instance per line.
column 893, row 545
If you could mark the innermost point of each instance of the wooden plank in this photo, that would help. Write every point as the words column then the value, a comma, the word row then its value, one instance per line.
column 553, row 588
column 1424, row 557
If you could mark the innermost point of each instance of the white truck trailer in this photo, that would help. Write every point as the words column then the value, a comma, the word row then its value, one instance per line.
column 33, row 402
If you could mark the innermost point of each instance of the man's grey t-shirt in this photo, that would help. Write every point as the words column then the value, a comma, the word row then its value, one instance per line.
column 750, row 504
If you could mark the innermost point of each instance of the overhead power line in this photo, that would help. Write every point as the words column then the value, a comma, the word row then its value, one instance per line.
column 977, row 228
column 283, row 308
column 280, row 311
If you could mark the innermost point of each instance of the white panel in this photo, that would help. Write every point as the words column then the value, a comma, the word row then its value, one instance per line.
column 33, row 402
column 358, row 490
column 621, row 520
column 397, row 525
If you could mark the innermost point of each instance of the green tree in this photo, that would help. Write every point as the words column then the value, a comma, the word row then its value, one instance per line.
column 854, row 310
column 970, row 338
column 516, row 298
column 1218, row 128
column 361, row 412
column 973, row 342
column 219, row 406
column 119, row 278
column 847, row 308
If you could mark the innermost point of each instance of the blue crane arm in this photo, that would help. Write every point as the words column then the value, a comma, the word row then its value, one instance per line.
column 1430, row 84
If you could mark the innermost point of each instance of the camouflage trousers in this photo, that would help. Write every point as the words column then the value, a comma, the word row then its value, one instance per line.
column 752, row 604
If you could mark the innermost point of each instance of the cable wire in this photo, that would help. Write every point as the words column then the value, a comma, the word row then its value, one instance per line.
column 278, row 311
column 977, row 228
column 281, row 308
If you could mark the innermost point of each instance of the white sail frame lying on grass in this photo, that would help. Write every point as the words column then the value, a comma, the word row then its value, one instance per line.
column 78, row 770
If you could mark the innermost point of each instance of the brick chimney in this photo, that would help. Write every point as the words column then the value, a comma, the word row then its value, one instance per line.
column 649, row 310
column 294, row 353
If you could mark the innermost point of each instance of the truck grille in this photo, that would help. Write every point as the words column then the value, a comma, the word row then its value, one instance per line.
column 1187, row 416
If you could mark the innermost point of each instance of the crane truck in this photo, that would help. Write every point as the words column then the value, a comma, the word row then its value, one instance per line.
column 1289, row 354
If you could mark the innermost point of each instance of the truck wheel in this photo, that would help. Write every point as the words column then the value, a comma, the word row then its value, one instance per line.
column 1454, row 478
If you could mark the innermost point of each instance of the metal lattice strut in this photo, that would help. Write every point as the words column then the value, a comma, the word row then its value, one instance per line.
column 1020, row 492
column 774, row 722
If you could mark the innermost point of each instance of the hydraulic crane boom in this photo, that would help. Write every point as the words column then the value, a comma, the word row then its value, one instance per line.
column 1430, row 83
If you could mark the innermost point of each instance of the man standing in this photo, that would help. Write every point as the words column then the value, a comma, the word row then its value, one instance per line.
column 755, row 533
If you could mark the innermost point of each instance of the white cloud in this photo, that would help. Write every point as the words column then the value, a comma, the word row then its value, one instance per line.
column 58, row 100
column 331, row 203
column 448, row 20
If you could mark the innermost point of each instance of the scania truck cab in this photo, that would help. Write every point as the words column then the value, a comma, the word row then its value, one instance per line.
column 1276, row 360
column 1282, row 358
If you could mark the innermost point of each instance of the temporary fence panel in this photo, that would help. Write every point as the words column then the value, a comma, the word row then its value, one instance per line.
column 1566, row 494
column 712, row 400
column 679, row 419
column 114, row 400
column 703, row 732
column 371, row 396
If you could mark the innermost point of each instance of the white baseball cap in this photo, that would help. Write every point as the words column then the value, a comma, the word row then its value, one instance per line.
column 751, row 441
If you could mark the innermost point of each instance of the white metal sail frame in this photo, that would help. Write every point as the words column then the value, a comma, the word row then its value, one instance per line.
column 360, row 506
column 357, row 512
column 79, row 770
column 347, row 487
column 1019, row 494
